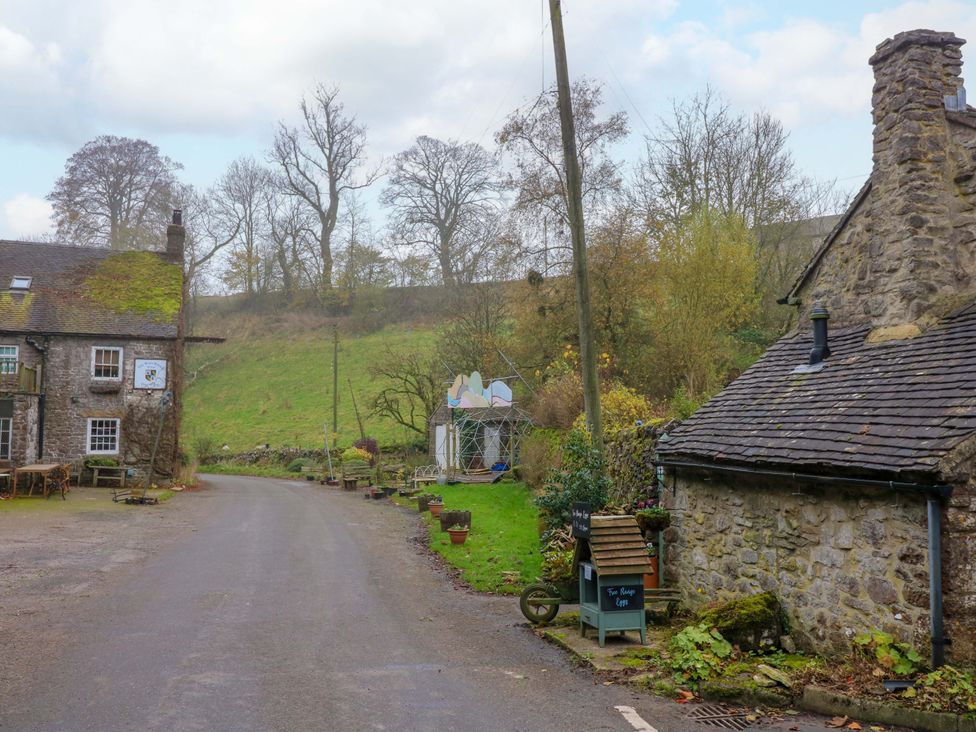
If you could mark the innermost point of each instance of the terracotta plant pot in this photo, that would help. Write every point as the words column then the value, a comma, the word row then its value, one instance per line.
column 652, row 580
column 435, row 509
column 458, row 536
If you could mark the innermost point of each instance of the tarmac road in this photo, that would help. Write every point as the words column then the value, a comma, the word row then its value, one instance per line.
column 290, row 606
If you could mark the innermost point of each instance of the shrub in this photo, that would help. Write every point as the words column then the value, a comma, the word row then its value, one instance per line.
column 582, row 477
column 559, row 402
column 369, row 445
column 539, row 455
column 683, row 405
column 945, row 690
column 101, row 462
column 204, row 446
column 622, row 408
column 697, row 652
column 298, row 465
column 352, row 454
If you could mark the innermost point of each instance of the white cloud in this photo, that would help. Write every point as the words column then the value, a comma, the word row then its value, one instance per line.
column 805, row 70
column 25, row 215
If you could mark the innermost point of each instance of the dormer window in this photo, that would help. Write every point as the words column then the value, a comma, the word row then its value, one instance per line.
column 19, row 282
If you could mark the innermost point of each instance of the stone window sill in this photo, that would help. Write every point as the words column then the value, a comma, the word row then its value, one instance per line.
column 105, row 387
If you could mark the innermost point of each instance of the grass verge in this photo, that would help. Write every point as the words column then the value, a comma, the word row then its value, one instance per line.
column 501, row 553
column 261, row 471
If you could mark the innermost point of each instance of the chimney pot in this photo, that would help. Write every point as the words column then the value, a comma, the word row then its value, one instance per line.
column 820, row 350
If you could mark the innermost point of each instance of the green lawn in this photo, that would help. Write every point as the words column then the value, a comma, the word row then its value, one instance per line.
column 504, row 536
column 277, row 388
column 263, row 471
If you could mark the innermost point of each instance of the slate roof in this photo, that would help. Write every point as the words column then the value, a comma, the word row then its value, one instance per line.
column 896, row 409
column 55, row 303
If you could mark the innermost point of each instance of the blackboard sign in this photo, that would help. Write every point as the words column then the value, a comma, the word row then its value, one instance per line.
column 622, row 597
column 581, row 520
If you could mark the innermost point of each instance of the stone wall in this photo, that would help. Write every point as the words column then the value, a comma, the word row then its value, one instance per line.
column 630, row 454
column 959, row 572
column 73, row 396
column 841, row 562
column 909, row 247
column 23, row 443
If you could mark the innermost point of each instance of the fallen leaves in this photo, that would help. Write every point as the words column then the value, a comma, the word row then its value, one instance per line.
column 837, row 722
column 685, row 696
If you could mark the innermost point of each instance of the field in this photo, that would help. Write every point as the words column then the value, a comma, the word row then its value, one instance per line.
column 276, row 388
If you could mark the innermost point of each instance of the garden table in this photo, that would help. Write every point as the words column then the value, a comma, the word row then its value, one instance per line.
column 45, row 470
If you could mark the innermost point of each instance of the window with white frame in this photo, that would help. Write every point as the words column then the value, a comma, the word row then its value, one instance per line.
column 106, row 363
column 5, row 431
column 8, row 359
column 103, row 436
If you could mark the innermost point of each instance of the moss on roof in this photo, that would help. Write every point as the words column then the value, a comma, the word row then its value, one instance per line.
column 137, row 282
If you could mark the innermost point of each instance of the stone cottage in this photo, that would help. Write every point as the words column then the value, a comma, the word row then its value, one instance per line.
column 839, row 472
column 90, row 342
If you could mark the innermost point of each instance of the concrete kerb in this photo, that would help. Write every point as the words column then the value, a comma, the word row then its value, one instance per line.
column 824, row 701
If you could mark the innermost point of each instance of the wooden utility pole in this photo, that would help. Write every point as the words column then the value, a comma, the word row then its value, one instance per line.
column 574, row 203
column 335, row 378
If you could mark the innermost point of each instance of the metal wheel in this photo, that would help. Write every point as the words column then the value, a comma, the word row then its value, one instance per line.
column 536, row 613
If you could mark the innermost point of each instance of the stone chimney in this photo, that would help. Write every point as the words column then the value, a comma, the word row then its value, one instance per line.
column 906, row 249
column 912, row 202
column 175, row 238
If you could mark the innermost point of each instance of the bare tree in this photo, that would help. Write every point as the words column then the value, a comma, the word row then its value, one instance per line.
column 533, row 138
column 321, row 160
column 445, row 202
column 115, row 192
column 708, row 158
column 290, row 228
column 239, row 198
column 413, row 387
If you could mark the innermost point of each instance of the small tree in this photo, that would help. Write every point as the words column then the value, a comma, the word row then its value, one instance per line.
column 582, row 477
column 412, row 388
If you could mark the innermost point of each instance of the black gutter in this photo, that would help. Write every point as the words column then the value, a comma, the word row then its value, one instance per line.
column 935, row 492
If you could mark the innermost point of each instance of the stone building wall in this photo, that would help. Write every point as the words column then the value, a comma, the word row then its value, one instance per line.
column 909, row 248
column 841, row 562
column 959, row 572
column 24, row 429
column 73, row 396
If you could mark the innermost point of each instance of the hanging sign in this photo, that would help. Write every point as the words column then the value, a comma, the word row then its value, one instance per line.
column 622, row 597
column 581, row 520
column 150, row 373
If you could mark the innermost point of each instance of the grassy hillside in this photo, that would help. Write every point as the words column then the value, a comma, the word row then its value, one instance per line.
column 271, row 382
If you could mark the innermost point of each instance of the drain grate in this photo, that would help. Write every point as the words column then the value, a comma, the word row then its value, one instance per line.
column 718, row 716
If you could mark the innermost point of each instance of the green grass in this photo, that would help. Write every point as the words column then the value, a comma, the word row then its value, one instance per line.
column 504, row 536
column 277, row 388
column 262, row 471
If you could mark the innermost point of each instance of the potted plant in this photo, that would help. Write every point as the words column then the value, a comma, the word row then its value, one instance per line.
column 458, row 533
column 435, row 507
column 653, row 518
column 652, row 579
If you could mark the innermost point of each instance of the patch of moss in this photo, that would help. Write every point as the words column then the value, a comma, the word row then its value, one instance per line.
column 137, row 282
column 748, row 620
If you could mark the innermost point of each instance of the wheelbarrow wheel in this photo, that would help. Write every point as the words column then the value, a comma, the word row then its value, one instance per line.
column 537, row 613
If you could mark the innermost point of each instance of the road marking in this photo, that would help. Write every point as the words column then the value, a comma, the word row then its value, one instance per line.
column 636, row 721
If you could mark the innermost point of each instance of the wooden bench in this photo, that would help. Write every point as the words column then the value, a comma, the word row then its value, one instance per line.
column 121, row 494
column 112, row 473
column 352, row 474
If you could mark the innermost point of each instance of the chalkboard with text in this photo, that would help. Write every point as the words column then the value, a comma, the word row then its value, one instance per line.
column 622, row 597
column 581, row 520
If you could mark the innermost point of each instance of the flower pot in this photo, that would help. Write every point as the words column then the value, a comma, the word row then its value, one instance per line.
column 458, row 536
column 435, row 509
column 652, row 580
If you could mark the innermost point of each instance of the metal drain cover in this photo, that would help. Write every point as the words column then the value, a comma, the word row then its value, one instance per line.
column 718, row 716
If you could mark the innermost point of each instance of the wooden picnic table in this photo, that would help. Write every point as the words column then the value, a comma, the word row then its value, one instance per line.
column 51, row 473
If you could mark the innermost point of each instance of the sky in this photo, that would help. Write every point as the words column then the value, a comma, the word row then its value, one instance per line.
column 209, row 81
